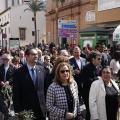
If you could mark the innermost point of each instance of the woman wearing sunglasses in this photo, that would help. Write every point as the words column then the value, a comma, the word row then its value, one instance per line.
column 16, row 62
column 103, row 97
column 62, row 96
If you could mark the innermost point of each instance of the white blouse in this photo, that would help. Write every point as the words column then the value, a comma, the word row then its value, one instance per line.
column 115, row 65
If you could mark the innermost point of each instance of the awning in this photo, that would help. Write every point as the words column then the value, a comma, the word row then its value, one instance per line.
column 116, row 34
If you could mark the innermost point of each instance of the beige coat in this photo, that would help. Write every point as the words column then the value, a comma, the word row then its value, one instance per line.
column 97, row 95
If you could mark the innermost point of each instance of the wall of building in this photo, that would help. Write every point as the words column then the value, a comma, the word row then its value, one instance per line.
column 78, row 12
column 18, row 18
column 24, row 19
column 107, row 15
column 2, row 5
column 71, row 12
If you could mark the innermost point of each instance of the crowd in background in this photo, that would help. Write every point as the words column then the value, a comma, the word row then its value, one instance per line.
column 61, row 78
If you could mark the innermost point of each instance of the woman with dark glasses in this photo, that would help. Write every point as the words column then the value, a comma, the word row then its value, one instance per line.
column 16, row 62
column 103, row 97
column 62, row 96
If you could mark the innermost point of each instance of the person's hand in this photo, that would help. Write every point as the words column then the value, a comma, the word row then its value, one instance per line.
column 6, row 83
column 16, row 117
column 77, row 71
column 69, row 115
column 2, row 83
column 79, row 118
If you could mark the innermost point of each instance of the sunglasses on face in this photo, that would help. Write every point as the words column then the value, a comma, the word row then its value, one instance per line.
column 106, row 72
column 99, row 59
column 63, row 71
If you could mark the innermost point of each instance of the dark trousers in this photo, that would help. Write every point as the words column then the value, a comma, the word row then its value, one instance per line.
column 86, row 101
column 3, row 107
column 40, row 118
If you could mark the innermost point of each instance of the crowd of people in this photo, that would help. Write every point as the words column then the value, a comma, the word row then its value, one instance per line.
column 52, row 82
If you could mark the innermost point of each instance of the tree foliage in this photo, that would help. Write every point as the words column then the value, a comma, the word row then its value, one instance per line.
column 35, row 6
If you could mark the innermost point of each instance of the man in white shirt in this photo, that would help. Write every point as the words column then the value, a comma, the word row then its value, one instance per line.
column 77, row 62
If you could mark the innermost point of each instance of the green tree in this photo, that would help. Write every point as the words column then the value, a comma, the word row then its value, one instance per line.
column 35, row 6
column 56, row 11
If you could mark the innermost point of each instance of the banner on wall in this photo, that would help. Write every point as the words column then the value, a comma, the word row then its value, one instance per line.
column 14, row 43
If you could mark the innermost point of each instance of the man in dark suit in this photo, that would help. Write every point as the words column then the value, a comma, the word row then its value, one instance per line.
column 28, row 87
column 77, row 62
column 89, row 74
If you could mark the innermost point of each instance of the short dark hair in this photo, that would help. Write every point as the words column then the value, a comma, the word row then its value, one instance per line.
column 46, row 57
column 84, row 48
column 27, row 52
column 116, row 55
column 93, row 54
column 100, row 73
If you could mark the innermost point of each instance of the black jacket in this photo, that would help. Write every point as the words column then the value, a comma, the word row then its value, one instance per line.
column 88, row 75
column 25, row 95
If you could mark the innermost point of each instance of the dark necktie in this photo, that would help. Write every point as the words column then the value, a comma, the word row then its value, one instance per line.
column 33, row 76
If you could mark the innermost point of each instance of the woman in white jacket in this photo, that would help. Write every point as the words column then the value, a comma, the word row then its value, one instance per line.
column 103, row 97
column 115, row 62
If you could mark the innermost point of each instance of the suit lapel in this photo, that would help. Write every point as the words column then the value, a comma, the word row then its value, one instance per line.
column 38, row 73
column 75, row 65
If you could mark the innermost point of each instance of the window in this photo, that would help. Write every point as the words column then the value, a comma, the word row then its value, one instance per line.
column 32, row 18
column 33, row 33
column 22, row 33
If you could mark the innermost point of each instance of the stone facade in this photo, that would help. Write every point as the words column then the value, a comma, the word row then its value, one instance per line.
column 76, row 10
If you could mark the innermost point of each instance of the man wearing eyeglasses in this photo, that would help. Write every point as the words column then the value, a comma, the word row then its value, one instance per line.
column 28, row 86
column 6, row 70
column 89, row 74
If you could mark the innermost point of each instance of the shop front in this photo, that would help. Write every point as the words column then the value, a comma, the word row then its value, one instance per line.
column 93, row 35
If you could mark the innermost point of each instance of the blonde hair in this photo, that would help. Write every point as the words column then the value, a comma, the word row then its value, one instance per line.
column 57, row 73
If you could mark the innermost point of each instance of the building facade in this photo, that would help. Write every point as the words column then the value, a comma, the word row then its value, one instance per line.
column 5, row 4
column 86, row 12
column 21, row 25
